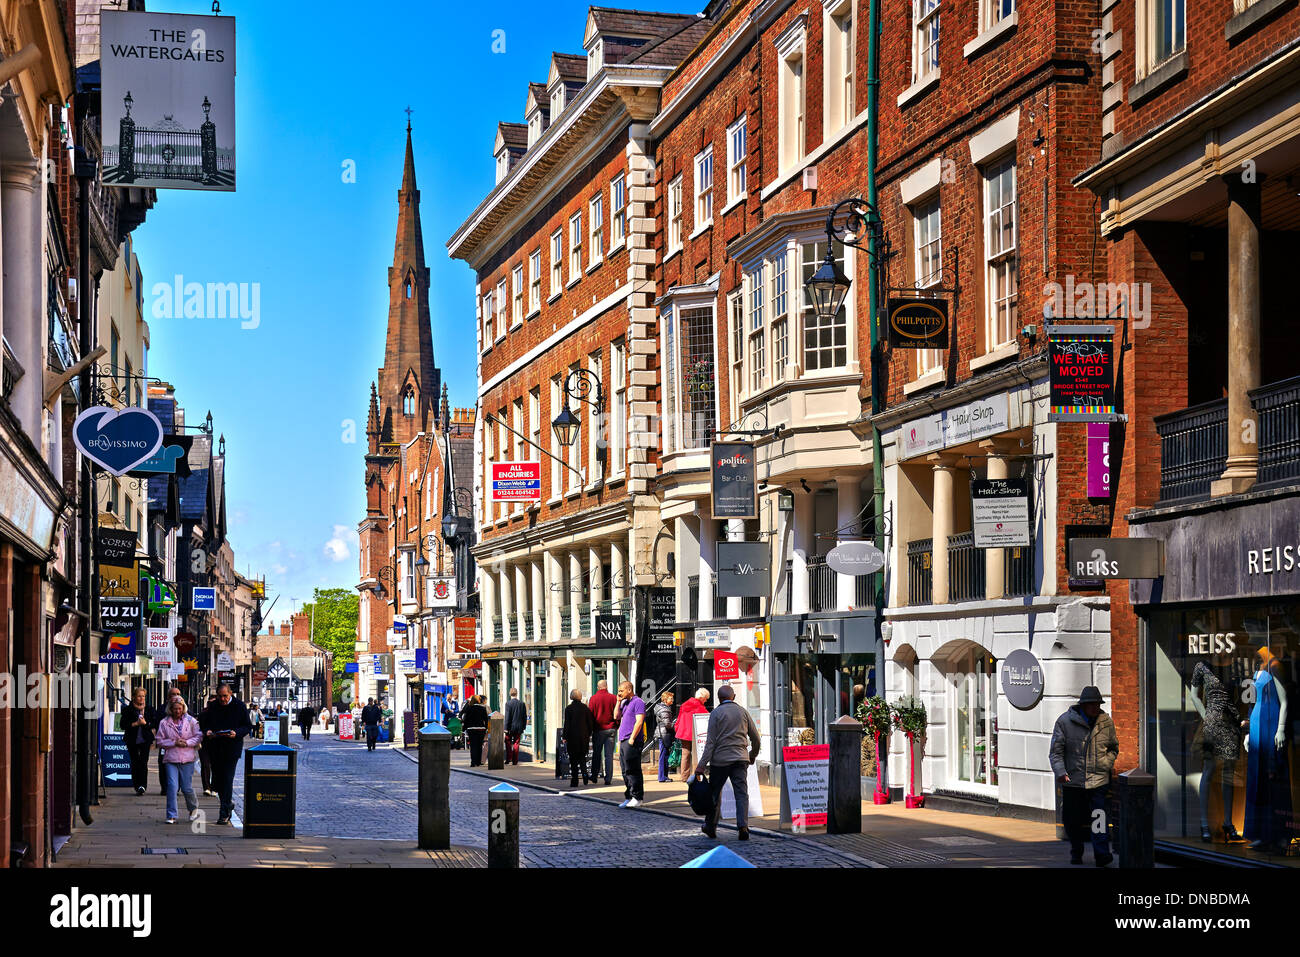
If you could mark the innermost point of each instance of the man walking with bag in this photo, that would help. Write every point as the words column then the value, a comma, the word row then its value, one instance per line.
column 1083, row 751
column 726, row 758
column 516, row 722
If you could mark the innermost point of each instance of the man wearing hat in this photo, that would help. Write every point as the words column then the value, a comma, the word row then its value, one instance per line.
column 1084, row 749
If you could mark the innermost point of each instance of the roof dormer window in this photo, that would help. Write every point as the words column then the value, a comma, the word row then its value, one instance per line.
column 557, row 100
column 503, row 164
column 595, row 57
column 534, row 127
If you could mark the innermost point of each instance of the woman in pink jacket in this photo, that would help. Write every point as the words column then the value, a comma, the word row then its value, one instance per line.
column 179, row 736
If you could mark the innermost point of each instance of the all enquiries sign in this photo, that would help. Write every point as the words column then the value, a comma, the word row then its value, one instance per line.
column 516, row 481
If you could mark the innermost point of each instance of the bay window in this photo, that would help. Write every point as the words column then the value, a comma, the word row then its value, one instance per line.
column 779, row 301
column 825, row 340
column 757, row 333
column 690, row 377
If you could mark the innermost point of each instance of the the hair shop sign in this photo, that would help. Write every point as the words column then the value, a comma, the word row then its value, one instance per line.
column 1250, row 551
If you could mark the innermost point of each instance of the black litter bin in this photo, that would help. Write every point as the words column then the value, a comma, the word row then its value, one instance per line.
column 270, row 791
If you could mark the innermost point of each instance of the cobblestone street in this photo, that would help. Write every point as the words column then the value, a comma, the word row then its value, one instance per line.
column 346, row 792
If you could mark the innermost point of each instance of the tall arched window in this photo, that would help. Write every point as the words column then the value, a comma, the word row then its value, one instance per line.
column 408, row 401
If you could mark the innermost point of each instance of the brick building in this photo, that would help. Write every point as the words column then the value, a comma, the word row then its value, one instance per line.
column 1196, row 188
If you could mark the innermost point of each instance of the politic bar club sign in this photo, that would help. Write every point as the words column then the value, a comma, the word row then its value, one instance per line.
column 734, row 483
column 1081, row 373
column 168, row 95
column 918, row 323
column 516, row 481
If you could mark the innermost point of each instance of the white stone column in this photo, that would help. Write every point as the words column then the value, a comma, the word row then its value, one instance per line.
column 595, row 583
column 708, row 562
column 507, row 603
column 491, row 606
column 618, row 574
column 521, row 597
column 942, row 521
column 554, row 583
column 849, row 497
column 537, row 599
column 575, row 592
column 805, row 547
column 735, row 533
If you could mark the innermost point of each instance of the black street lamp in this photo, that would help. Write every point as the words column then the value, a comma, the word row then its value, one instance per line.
column 828, row 286
column 579, row 386
column 566, row 426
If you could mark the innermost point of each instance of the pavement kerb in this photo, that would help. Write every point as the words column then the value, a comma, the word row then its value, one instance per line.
column 863, row 861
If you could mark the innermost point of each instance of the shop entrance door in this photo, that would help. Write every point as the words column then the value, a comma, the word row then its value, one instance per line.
column 820, row 689
column 539, row 719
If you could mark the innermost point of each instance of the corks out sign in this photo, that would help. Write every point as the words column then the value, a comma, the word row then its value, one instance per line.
column 115, row 546
column 734, row 480
column 918, row 323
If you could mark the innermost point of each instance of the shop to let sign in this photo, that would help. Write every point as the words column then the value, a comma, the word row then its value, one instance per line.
column 1081, row 373
column 516, row 481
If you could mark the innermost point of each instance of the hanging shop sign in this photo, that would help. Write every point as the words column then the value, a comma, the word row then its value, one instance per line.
column 119, row 614
column 382, row 665
column 466, row 638
column 611, row 631
column 115, row 546
column 1022, row 679
column 115, row 760
column 117, row 440
column 399, row 626
column 158, row 646
column 119, row 646
column 119, row 581
column 734, row 483
column 1101, row 558
column 421, row 659
column 918, row 323
column 516, row 481
column 225, row 662
column 743, row 570
column 1000, row 512
column 185, row 642
column 1098, row 460
column 168, row 94
column 203, row 599
column 1081, row 373
column 956, row 426
column 726, row 666
column 855, row 558
column 442, row 592
column 167, row 459
column 158, row 596
column 712, row 637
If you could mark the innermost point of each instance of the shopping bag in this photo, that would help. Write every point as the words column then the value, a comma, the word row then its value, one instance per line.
column 699, row 795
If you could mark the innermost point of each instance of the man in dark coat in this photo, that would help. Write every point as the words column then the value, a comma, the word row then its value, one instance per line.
column 306, row 718
column 475, row 717
column 515, row 724
column 371, row 715
column 224, row 724
column 139, row 722
column 579, row 726
column 205, row 756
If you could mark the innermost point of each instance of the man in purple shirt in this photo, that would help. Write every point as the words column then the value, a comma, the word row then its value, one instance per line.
column 632, row 737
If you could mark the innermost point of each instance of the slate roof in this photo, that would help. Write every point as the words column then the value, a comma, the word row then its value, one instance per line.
column 676, row 45
column 514, row 135
column 572, row 67
column 193, row 488
column 538, row 93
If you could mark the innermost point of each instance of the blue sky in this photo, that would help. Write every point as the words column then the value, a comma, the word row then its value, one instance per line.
column 319, row 84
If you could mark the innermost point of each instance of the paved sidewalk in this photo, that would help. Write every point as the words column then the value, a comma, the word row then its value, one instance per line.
column 126, row 825
column 892, row 835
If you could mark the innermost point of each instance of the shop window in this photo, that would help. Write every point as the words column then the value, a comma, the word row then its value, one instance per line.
column 972, row 719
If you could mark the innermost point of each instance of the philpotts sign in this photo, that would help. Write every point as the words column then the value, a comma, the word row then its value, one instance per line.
column 918, row 323
column 117, row 440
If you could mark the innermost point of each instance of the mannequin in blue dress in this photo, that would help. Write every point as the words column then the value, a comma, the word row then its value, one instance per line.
column 1268, row 783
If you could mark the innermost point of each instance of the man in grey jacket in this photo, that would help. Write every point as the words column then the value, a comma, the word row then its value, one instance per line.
column 516, row 722
column 1083, row 752
column 730, row 747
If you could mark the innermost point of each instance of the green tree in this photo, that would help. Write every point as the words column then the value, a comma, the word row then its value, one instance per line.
column 334, row 627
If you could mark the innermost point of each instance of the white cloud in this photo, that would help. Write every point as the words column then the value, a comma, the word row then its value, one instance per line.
column 336, row 549
column 279, row 569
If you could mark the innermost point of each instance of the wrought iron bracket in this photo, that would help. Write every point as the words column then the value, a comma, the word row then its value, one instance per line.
column 756, row 419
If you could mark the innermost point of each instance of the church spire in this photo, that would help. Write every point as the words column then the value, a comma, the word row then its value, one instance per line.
column 409, row 382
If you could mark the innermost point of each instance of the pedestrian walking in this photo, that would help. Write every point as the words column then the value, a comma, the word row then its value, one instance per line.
column 516, row 722
column 475, row 717
column 225, row 724
column 685, row 728
column 306, row 719
column 180, row 735
column 602, row 705
column 579, row 726
column 370, row 717
column 1083, row 752
column 325, row 717
column 139, row 722
column 726, row 758
column 172, row 692
column 451, row 708
column 633, row 735
column 664, row 731
column 255, row 719
column 205, row 756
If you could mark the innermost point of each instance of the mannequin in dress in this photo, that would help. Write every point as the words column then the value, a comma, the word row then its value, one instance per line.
column 1268, row 787
column 1221, row 743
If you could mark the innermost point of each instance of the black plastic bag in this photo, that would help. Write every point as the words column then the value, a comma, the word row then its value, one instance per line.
column 699, row 794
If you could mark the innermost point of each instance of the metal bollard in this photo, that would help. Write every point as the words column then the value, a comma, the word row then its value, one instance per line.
column 496, row 742
column 434, row 793
column 503, row 826
column 1135, row 834
column 844, row 810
